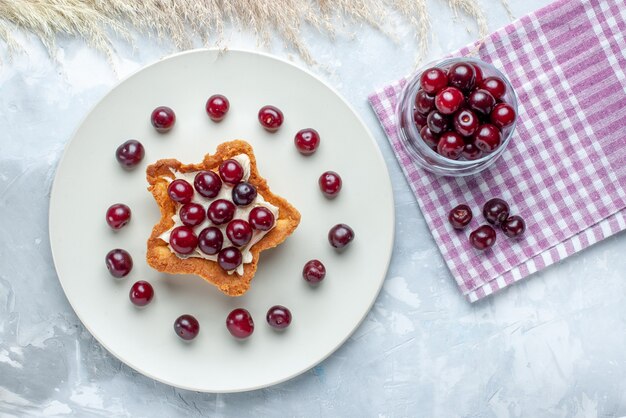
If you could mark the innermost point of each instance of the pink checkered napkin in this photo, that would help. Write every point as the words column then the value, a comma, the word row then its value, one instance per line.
column 564, row 171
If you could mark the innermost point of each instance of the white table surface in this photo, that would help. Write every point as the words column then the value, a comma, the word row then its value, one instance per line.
column 550, row 346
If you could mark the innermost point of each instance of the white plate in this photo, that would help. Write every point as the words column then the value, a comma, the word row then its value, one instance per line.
column 89, row 180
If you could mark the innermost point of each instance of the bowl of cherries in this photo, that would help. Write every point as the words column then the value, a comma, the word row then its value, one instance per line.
column 457, row 116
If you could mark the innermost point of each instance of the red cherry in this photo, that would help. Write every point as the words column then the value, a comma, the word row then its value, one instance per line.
column 460, row 216
column 118, row 216
column 433, row 80
column 239, row 232
column 502, row 115
column 462, row 76
column 141, row 293
column 208, row 184
column 210, row 240
column 419, row 119
column 449, row 100
column 340, row 236
column 180, row 191
column 239, row 323
column 130, row 153
column 330, row 184
column 424, row 102
column 244, row 194
column 231, row 171
column 229, row 258
column 221, row 211
column 278, row 317
column 437, row 122
column 451, row 145
column 261, row 218
column 217, row 106
column 481, row 101
column 496, row 211
column 487, row 138
column 465, row 122
column 495, row 86
column 471, row 152
column 271, row 118
column 479, row 74
column 119, row 262
column 314, row 271
column 186, row 327
column 192, row 214
column 183, row 240
column 482, row 238
column 514, row 227
column 307, row 141
column 163, row 119
column 429, row 137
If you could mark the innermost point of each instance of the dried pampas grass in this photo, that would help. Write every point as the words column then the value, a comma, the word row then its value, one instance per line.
column 184, row 23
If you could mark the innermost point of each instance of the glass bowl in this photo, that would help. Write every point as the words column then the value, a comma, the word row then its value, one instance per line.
column 426, row 157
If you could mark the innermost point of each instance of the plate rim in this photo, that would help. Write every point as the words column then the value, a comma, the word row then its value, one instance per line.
column 379, row 156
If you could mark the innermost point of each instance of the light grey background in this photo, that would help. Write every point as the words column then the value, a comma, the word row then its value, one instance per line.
column 550, row 346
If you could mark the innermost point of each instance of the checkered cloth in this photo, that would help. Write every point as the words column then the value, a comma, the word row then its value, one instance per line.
column 564, row 170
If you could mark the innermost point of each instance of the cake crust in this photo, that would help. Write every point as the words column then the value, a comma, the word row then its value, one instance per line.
column 162, row 259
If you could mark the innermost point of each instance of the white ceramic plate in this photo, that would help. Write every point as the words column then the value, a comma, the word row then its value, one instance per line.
column 89, row 180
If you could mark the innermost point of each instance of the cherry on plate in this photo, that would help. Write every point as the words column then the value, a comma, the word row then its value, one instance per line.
column 278, row 317
column 183, row 240
column 118, row 215
column 180, row 191
column 239, row 323
column 261, row 218
column 163, row 119
column 231, row 171
column 330, row 184
column 340, row 236
column 216, row 107
column 130, row 153
column 496, row 211
column 271, row 118
column 483, row 238
column 210, row 240
column 314, row 271
column 186, row 327
column 460, row 216
column 141, row 293
column 307, row 141
column 119, row 262
column 229, row 258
